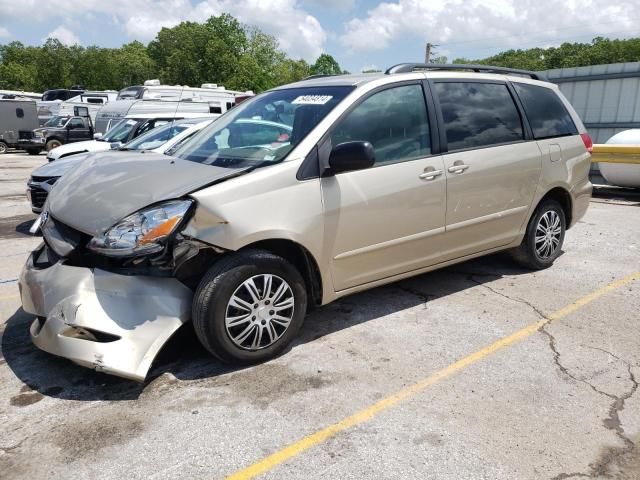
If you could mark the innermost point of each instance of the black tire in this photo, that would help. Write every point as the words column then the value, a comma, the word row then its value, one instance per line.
column 3, row 147
column 526, row 253
column 33, row 152
column 51, row 144
column 221, row 282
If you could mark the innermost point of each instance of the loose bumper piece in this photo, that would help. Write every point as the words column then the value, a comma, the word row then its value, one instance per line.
column 112, row 323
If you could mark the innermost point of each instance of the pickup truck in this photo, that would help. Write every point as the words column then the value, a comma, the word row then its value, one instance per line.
column 57, row 131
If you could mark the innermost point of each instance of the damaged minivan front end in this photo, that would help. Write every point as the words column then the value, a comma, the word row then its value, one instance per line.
column 108, row 294
column 222, row 233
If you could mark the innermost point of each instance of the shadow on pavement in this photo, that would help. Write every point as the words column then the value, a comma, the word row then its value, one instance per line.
column 186, row 359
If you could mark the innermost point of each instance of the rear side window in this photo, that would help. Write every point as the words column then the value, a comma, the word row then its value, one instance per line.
column 546, row 113
column 478, row 114
column 394, row 121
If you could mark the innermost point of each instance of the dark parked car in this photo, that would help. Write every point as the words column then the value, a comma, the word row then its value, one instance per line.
column 57, row 131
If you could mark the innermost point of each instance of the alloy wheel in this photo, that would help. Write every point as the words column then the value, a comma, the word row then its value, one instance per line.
column 548, row 234
column 259, row 312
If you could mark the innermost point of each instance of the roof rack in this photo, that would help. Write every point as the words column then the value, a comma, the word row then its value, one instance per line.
column 412, row 67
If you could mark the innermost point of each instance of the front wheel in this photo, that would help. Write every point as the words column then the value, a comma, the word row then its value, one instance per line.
column 53, row 143
column 543, row 241
column 3, row 147
column 249, row 307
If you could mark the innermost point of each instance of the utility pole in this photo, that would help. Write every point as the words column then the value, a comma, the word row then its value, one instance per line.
column 428, row 52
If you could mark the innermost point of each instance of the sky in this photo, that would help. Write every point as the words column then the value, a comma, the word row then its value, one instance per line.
column 360, row 34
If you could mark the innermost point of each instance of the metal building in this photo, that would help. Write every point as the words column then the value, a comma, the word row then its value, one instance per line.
column 607, row 97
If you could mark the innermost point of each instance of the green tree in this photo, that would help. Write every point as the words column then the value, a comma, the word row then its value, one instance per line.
column 326, row 65
column 128, row 65
column 54, row 66
column 598, row 51
column 289, row 71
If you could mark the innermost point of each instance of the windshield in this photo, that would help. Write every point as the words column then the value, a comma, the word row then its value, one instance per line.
column 157, row 137
column 57, row 122
column 130, row 93
column 263, row 130
column 120, row 132
column 51, row 95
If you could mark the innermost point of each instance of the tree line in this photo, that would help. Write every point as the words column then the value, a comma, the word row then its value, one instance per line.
column 221, row 50
column 599, row 51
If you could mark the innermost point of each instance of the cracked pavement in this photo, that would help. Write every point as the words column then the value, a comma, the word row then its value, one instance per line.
column 563, row 403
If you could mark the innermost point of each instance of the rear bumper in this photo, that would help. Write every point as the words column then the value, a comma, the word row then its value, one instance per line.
column 112, row 323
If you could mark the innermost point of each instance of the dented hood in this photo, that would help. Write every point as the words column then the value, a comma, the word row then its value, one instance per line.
column 101, row 191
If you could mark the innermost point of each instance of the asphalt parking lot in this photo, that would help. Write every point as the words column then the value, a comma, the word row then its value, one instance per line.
column 478, row 371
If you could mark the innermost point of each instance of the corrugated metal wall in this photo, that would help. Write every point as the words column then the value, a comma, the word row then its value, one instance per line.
column 607, row 97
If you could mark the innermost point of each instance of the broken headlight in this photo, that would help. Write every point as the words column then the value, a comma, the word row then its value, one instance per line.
column 142, row 233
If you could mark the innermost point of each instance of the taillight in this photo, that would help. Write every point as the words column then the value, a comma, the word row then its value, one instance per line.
column 588, row 143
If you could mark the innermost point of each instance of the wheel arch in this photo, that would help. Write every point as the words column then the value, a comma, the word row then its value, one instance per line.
column 563, row 197
column 301, row 258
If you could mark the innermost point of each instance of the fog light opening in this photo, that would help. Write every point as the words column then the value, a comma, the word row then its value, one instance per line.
column 84, row 333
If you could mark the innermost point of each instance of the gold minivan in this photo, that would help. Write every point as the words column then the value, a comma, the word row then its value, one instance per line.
column 299, row 196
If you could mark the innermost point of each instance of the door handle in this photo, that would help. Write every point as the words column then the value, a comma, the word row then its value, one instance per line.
column 430, row 174
column 458, row 168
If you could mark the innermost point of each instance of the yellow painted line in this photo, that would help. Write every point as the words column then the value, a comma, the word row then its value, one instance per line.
column 275, row 459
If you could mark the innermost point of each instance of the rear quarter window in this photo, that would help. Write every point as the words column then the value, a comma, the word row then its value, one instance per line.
column 478, row 114
column 547, row 114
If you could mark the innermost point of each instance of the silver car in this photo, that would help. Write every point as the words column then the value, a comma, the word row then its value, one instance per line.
column 297, row 197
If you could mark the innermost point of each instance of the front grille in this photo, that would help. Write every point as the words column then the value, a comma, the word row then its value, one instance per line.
column 38, row 196
column 39, row 188
column 61, row 238
column 26, row 134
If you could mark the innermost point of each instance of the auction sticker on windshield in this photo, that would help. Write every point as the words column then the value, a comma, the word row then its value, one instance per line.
column 312, row 99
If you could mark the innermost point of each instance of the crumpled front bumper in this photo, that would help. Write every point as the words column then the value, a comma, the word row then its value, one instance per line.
column 112, row 323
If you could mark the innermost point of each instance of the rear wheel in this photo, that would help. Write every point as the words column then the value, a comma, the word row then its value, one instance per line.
column 53, row 143
column 543, row 241
column 3, row 147
column 249, row 307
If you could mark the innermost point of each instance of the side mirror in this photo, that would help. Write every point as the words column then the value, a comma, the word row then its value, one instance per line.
column 350, row 156
column 97, row 136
